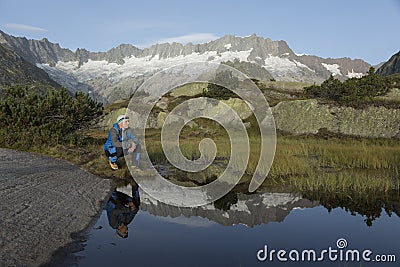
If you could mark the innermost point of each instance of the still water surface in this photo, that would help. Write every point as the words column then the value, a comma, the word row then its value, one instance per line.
column 162, row 235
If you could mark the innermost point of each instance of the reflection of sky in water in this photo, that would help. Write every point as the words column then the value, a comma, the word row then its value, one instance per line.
column 195, row 241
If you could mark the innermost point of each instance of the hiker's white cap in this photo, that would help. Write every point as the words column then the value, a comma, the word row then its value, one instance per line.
column 122, row 118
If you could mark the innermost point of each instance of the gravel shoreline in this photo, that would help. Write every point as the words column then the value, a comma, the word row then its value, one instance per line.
column 45, row 204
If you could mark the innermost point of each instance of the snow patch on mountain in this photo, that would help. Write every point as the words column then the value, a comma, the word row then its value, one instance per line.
column 353, row 74
column 301, row 65
column 67, row 80
column 333, row 68
column 137, row 66
column 228, row 46
column 280, row 67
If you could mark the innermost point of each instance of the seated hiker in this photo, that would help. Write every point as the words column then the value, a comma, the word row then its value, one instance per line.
column 121, row 210
column 121, row 141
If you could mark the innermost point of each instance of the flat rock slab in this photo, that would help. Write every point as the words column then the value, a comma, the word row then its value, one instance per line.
column 43, row 201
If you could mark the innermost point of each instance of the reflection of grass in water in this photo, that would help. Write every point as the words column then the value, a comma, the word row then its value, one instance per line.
column 361, row 181
column 309, row 163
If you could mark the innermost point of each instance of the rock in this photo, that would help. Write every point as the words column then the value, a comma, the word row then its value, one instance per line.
column 302, row 116
column 247, row 125
column 198, row 106
column 174, row 119
column 221, row 113
column 240, row 107
column 161, row 119
column 44, row 203
column 163, row 103
column 307, row 116
column 191, row 89
column 202, row 107
column 370, row 122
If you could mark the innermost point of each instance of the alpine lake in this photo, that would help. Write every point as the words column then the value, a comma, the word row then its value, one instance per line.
column 271, row 227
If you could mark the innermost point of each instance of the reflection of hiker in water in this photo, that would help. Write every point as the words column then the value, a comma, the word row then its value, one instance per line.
column 121, row 209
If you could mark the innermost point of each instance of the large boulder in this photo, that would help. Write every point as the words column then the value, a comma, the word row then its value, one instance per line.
column 308, row 116
column 190, row 89
column 303, row 116
column 203, row 106
column 241, row 107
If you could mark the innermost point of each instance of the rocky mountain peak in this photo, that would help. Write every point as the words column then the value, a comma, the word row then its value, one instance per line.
column 2, row 38
column 15, row 70
column 391, row 66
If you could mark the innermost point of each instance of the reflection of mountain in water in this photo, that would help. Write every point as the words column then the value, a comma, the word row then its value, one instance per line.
column 250, row 210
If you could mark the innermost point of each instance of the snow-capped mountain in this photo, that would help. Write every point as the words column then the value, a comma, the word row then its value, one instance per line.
column 118, row 72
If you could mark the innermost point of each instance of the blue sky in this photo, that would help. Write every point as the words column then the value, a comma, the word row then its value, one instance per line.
column 366, row 29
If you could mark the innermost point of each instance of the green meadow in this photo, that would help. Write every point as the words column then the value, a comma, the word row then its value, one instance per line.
column 306, row 163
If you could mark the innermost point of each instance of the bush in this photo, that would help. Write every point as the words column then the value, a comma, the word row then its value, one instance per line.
column 353, row 91
column 216, row 91
column 30, row 118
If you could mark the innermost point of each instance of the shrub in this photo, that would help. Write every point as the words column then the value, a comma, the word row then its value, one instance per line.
column 353, row 91
column 216, row 91
column 30, row 118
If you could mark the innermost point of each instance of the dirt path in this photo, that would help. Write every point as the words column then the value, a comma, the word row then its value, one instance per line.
column 42, row 202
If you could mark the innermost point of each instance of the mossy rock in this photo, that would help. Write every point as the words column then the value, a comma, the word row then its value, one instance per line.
column 161, row 119
column 240, row 107
column 190, row 89
column 302, row 116
column 309, row 117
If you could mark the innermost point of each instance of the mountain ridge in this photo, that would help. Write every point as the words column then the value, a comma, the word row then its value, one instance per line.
column 259, row 57
column 16, row 70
